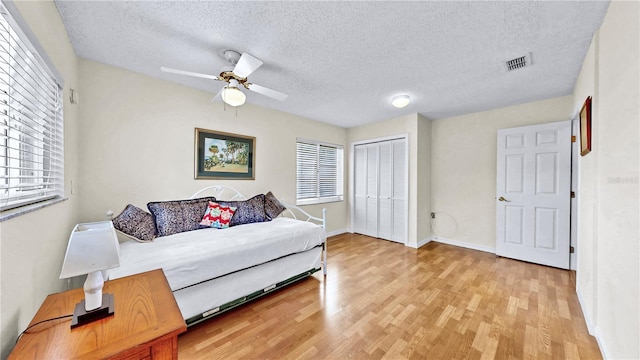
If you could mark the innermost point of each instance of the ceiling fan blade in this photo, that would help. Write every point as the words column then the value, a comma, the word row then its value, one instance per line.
column 218, row 95
column 246, row 65
column 189, row 73
column 268, row 92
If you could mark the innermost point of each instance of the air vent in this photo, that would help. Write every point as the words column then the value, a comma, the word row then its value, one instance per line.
column 518, row 63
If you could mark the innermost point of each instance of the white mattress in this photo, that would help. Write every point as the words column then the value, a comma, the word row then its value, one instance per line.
column 195, row 256
column 205, row 296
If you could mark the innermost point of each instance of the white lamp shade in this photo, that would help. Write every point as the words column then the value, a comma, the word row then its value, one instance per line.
column 400, row 101
column 233, row 96
column 92, row 247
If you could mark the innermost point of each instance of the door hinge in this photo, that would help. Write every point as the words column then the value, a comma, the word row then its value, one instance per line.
column 573, row 138
column 573, row 194
column 572, row 249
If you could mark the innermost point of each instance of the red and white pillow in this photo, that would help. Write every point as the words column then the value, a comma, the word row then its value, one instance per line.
column 218, row 216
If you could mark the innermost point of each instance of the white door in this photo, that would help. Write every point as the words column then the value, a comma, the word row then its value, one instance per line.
column 399, row 194
column 371, row 227
column 360, row 189
column 533, row 193
column 385, row 190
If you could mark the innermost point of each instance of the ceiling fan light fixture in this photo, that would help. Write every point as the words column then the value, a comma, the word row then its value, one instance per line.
column 400, row 101
column 233, row 96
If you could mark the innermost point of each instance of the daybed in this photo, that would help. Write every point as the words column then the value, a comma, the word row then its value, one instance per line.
column 214, row 270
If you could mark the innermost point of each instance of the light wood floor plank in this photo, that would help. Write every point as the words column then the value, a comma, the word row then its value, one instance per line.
column 385, row 300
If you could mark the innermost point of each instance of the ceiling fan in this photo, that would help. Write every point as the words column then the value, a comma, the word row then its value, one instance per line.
column 236, row 76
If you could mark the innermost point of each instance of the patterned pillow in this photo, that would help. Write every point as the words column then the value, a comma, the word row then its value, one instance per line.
column 272, row 207
column 136, row 223
column 248, row 211
column 173, row 217
column 217, row 216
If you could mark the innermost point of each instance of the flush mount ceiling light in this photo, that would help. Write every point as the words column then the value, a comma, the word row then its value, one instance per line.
column 232, row 95
column 400, row 101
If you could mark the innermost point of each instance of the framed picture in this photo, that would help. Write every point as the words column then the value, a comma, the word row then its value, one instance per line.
column 222, row 155
column 585, row 127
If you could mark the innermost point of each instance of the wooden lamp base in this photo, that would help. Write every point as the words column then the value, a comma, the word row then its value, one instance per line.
column 81, row 316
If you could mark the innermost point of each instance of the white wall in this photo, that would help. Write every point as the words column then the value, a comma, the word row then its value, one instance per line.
column 33, row 245
column 463, row 168
column 608, row 275
column 138, row 143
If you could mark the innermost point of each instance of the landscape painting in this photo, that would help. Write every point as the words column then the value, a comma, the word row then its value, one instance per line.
column 222, row 155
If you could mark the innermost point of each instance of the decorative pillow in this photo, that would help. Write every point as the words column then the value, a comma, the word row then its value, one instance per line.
column 172, row 217
column 248, row 211
column 272, row 207
column 136, row 224
column 217, row 216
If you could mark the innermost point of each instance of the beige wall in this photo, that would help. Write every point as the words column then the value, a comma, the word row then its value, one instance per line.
column 417, row 128
column 423, row 181
column 587, row 183
column 463, row 168
column 608, row 276
column 138, row 143
column 33, row 245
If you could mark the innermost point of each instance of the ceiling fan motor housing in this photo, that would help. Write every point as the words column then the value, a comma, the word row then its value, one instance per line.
column 229, row 76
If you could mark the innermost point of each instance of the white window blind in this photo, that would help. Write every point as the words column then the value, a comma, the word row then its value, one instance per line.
column 319, row 172
column 31, row 123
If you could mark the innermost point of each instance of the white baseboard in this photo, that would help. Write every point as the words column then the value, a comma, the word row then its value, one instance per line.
column 463, row 244
column 594, row 330
column 603, row 348
column 585, row 314
column 420, row 244
column 337, row 232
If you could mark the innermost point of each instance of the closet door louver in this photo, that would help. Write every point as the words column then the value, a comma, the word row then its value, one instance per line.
column 385, row 200
column 360, row 190
column 399, row 191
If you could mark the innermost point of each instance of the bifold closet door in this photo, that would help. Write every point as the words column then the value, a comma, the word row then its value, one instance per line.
column 380, row 176
column 360, row 189
column 399, row 195
column 385, row 192
column 371, row 226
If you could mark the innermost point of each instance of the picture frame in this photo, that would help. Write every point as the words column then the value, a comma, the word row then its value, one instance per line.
column 585, row 127
column 221, row 155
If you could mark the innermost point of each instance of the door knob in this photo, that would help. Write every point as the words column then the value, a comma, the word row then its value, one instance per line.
column 503, row 199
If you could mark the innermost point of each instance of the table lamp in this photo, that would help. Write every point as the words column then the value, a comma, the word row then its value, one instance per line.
column 92, row 247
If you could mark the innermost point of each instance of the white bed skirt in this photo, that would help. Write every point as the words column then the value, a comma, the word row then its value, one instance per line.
column 205, row 297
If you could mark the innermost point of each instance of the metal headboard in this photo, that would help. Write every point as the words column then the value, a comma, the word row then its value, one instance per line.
column 305, row 216
column 221, row 192
column 227, row 193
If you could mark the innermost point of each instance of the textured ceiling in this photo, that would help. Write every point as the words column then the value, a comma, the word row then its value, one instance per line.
column 341, row 62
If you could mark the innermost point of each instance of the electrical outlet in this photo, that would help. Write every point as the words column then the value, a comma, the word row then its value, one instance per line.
column 433, row 215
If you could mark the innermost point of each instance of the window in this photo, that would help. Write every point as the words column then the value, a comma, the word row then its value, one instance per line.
column 319, row 172
column 31, row 133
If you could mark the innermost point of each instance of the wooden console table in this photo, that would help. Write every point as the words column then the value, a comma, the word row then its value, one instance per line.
column 145, row 325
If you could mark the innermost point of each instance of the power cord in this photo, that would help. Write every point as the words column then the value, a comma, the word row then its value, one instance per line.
column 40, row 322
column 435, row 228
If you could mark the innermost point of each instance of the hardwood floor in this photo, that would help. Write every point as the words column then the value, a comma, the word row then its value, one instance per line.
column 383, row 300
